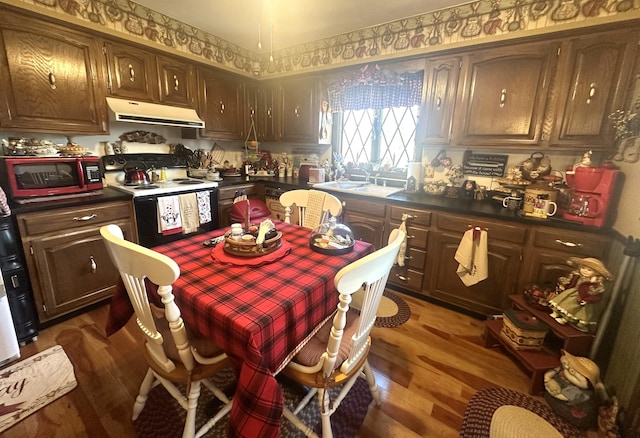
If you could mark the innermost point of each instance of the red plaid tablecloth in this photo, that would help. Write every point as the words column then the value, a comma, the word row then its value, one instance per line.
column 257, row 315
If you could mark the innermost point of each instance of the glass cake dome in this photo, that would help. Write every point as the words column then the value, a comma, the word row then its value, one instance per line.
column 332, row 238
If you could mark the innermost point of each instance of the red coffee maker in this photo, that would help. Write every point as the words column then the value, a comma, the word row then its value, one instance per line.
column 594, row 193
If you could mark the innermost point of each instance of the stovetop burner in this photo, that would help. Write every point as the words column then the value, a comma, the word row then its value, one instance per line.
column 189, row 181
column 146, row 187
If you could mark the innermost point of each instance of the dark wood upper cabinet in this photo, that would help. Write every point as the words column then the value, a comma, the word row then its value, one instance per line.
column 441, row 86
column 503, row 95
column 220, row 104
column 176, row 81
column 266, row 117
column 299, row 114
column 132, row 72
column 52, row 80
column 593, row 79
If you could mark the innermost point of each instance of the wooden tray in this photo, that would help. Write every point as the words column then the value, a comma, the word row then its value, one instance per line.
column 242, row 248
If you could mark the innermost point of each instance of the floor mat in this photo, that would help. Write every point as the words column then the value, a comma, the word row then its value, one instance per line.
column 34, row 383
column 163, row 417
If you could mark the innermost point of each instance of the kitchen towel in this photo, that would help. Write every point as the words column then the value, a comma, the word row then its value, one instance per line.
column 402, row 253
column 189, row 213
column 169, row 215
column 204, row 206
column 473, row 257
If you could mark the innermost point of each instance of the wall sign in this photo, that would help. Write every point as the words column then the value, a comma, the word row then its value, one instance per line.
column 484, row 164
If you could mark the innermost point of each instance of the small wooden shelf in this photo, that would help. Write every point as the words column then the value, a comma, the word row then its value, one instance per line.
column 537, row 362
column 574, row 341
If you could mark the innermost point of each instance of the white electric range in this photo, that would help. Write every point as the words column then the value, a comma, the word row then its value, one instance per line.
column 145, row 196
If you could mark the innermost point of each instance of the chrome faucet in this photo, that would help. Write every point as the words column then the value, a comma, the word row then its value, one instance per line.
column 375, row 178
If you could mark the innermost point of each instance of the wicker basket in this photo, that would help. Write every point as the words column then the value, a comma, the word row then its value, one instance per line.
column 248, row 248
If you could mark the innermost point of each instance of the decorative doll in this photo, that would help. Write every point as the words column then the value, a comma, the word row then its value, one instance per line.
column 578, row 300
column 574, row 390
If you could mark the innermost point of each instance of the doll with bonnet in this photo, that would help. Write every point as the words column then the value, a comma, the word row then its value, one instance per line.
column 578, row 300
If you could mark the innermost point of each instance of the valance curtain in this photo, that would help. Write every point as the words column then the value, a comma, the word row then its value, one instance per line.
column 373, row 88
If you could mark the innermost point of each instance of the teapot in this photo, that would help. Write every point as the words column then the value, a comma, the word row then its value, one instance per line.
column 536, row 166
column 135, row 176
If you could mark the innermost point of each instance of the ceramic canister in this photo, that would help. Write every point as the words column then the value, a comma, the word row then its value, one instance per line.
column 534, row 191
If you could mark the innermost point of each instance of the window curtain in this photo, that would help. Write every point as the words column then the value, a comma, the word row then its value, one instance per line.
column 373, row 88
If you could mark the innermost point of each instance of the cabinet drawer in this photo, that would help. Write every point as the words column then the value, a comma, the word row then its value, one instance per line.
column 229, row 192
column 496, row 230
column 579, row 244
column 415, row 258
column 418, row 217
column 416, row 237
column 63, row 219
column 406, row 278
column 370, row 208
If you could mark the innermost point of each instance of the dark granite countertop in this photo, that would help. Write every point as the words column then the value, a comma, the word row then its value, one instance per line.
column 487, row 208
column 105, row 195
column 490, row 209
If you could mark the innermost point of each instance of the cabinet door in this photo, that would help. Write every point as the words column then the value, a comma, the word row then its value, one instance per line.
column 250, row 111
column 546, row 258
column 266, row 121
column 365, row 228
column 52, row 79
column 132, row 72
column 486, row 297
column 503, row 99
column 441, row 79
column 365, row 218
column 176, row 81
column 299, row 115
column 592, row 84
column 74, row 270
column 220, row 101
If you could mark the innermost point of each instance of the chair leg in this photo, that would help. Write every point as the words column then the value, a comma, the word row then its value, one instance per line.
column 192, row 404
column 325, row 412
column 224, row 410
column 141, row 399
column 371, row 380
column 209, row 424
column 305, row 401
column 299, row 424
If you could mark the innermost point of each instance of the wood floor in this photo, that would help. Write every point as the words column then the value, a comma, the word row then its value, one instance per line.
column 427, row 370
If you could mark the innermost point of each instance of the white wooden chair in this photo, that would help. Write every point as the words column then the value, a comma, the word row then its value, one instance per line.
column 313, row 206
column 174, row 354
column 337, row 353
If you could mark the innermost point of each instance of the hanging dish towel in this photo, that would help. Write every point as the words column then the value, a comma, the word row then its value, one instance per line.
column 169, row 215
column 472, row 257
column 189, row 213
column 4, row 205
column 403, row 246
column 204, row 207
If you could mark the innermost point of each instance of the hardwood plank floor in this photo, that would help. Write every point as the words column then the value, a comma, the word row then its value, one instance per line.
column 427, row 370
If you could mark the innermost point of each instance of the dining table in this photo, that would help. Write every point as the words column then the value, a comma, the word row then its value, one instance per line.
column 259, row 310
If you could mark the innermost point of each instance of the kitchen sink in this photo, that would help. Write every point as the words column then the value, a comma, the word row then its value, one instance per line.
column 359, row 188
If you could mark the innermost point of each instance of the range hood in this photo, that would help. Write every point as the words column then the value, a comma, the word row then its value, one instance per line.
column 122, row 110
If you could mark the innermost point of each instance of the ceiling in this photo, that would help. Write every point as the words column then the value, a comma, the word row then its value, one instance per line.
column 294, row 22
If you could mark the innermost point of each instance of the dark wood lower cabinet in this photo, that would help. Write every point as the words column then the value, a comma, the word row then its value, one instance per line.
column 486, row 297
column 69, row 267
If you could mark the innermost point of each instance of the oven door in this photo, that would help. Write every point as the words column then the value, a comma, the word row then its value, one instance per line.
column 146, row 208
